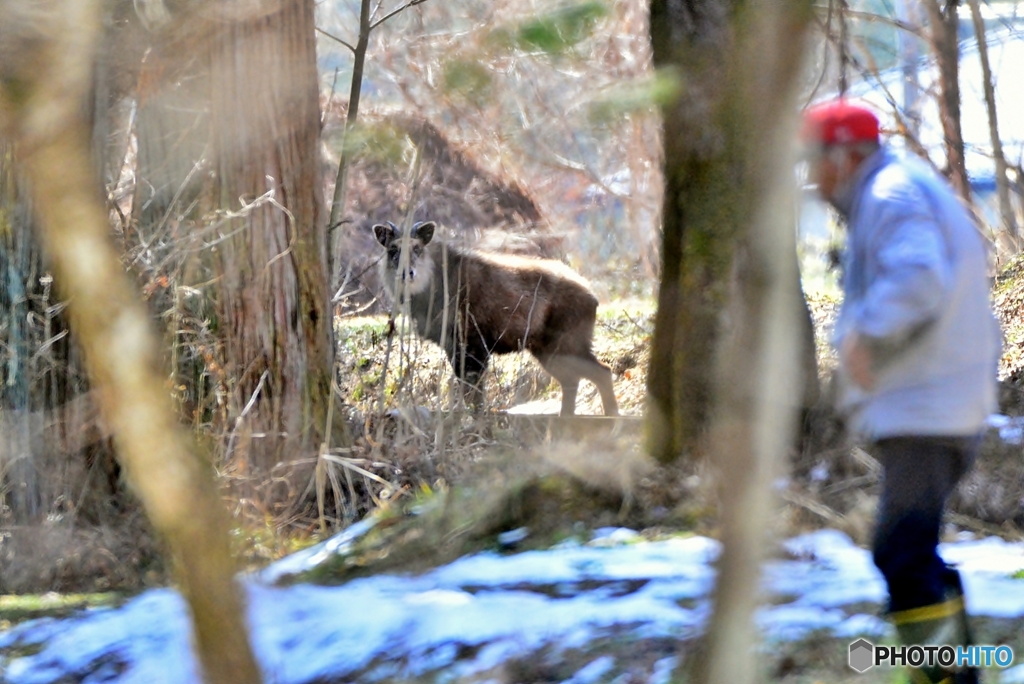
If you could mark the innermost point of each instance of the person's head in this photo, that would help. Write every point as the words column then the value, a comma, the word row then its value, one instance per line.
column 838, row 137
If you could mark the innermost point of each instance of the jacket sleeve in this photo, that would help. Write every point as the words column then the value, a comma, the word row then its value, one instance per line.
column 910, row 273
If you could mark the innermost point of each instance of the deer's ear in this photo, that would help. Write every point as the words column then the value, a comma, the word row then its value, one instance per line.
column 385, row 234
column 424, row 231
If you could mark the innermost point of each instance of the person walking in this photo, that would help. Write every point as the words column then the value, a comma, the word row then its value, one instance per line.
column 918, row 348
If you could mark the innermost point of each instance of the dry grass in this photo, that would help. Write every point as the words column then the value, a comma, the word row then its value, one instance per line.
column 401, row 394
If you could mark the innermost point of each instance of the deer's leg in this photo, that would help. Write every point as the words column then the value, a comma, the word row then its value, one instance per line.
column 469, row 365
column 568, row 370
column 601, row 375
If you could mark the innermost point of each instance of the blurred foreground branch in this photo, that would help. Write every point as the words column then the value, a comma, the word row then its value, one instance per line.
column 46, row 50
column 729, row 297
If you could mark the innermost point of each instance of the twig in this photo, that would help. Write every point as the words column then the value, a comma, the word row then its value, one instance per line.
column 334, row 37
column 394, row 12
column 245, row 411
column 323, row 117
column 350, row 464
column 813, row 506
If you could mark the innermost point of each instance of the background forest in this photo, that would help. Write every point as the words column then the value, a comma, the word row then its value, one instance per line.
column 459, row 122
column 245, row 151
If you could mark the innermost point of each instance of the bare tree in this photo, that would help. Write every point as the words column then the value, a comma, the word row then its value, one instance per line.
column 46, row 54
column 943, row 21
column 367, row 23
column 1007, row 237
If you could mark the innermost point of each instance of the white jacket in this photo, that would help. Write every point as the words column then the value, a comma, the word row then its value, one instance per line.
column 915, row 283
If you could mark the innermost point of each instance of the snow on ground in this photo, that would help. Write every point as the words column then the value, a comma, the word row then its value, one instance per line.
column 469, row 616
column 1010, row 428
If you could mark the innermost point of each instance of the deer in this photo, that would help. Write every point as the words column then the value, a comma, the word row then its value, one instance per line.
column 475, row 304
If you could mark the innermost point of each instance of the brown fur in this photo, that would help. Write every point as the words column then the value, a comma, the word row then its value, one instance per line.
column 497, row 304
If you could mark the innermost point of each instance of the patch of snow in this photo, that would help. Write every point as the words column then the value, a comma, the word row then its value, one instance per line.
column 792, row 621
column 473, row 614
column 663, row 670
column 863, row 625
column 988, row 567
column 1013, row 675
column 830, row 571
column 819, row 473
column 315, row 555
column 1011, row 430
column 592, row 671
column 513, row 537
column 610, row 536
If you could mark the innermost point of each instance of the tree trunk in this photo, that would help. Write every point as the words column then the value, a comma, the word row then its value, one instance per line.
column 943, row 22
column 706, row 207
column 730, row 244
column 351, row 117
column 273, row 299
column 1007, row 237
column 699, row 223
column 41, row 100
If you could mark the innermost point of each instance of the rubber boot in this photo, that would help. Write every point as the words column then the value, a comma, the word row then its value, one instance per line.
column 939, row 624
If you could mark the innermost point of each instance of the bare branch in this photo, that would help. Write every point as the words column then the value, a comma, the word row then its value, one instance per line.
column 888, row 21
column 395, row 11
column 334, row 37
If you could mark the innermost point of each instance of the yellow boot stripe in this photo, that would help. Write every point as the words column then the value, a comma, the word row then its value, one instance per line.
column 936, row 611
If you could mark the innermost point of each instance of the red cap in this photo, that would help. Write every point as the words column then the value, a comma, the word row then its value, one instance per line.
column 838, row 122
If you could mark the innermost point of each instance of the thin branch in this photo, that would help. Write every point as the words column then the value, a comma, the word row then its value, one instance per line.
column 334, row 37
column 888, row 21
column 395, row 11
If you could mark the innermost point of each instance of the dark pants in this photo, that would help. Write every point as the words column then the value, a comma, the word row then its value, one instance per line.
column 920, row 474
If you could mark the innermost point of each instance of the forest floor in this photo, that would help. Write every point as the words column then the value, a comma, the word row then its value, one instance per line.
column 440, row 487
column 604, row 606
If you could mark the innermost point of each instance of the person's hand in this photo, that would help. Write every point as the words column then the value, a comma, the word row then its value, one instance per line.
column 856, row 357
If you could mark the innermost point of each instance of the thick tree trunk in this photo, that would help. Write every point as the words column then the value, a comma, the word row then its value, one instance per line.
column 706, row 207
column 41, row 99
column 273, row 298
column 700, row 220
